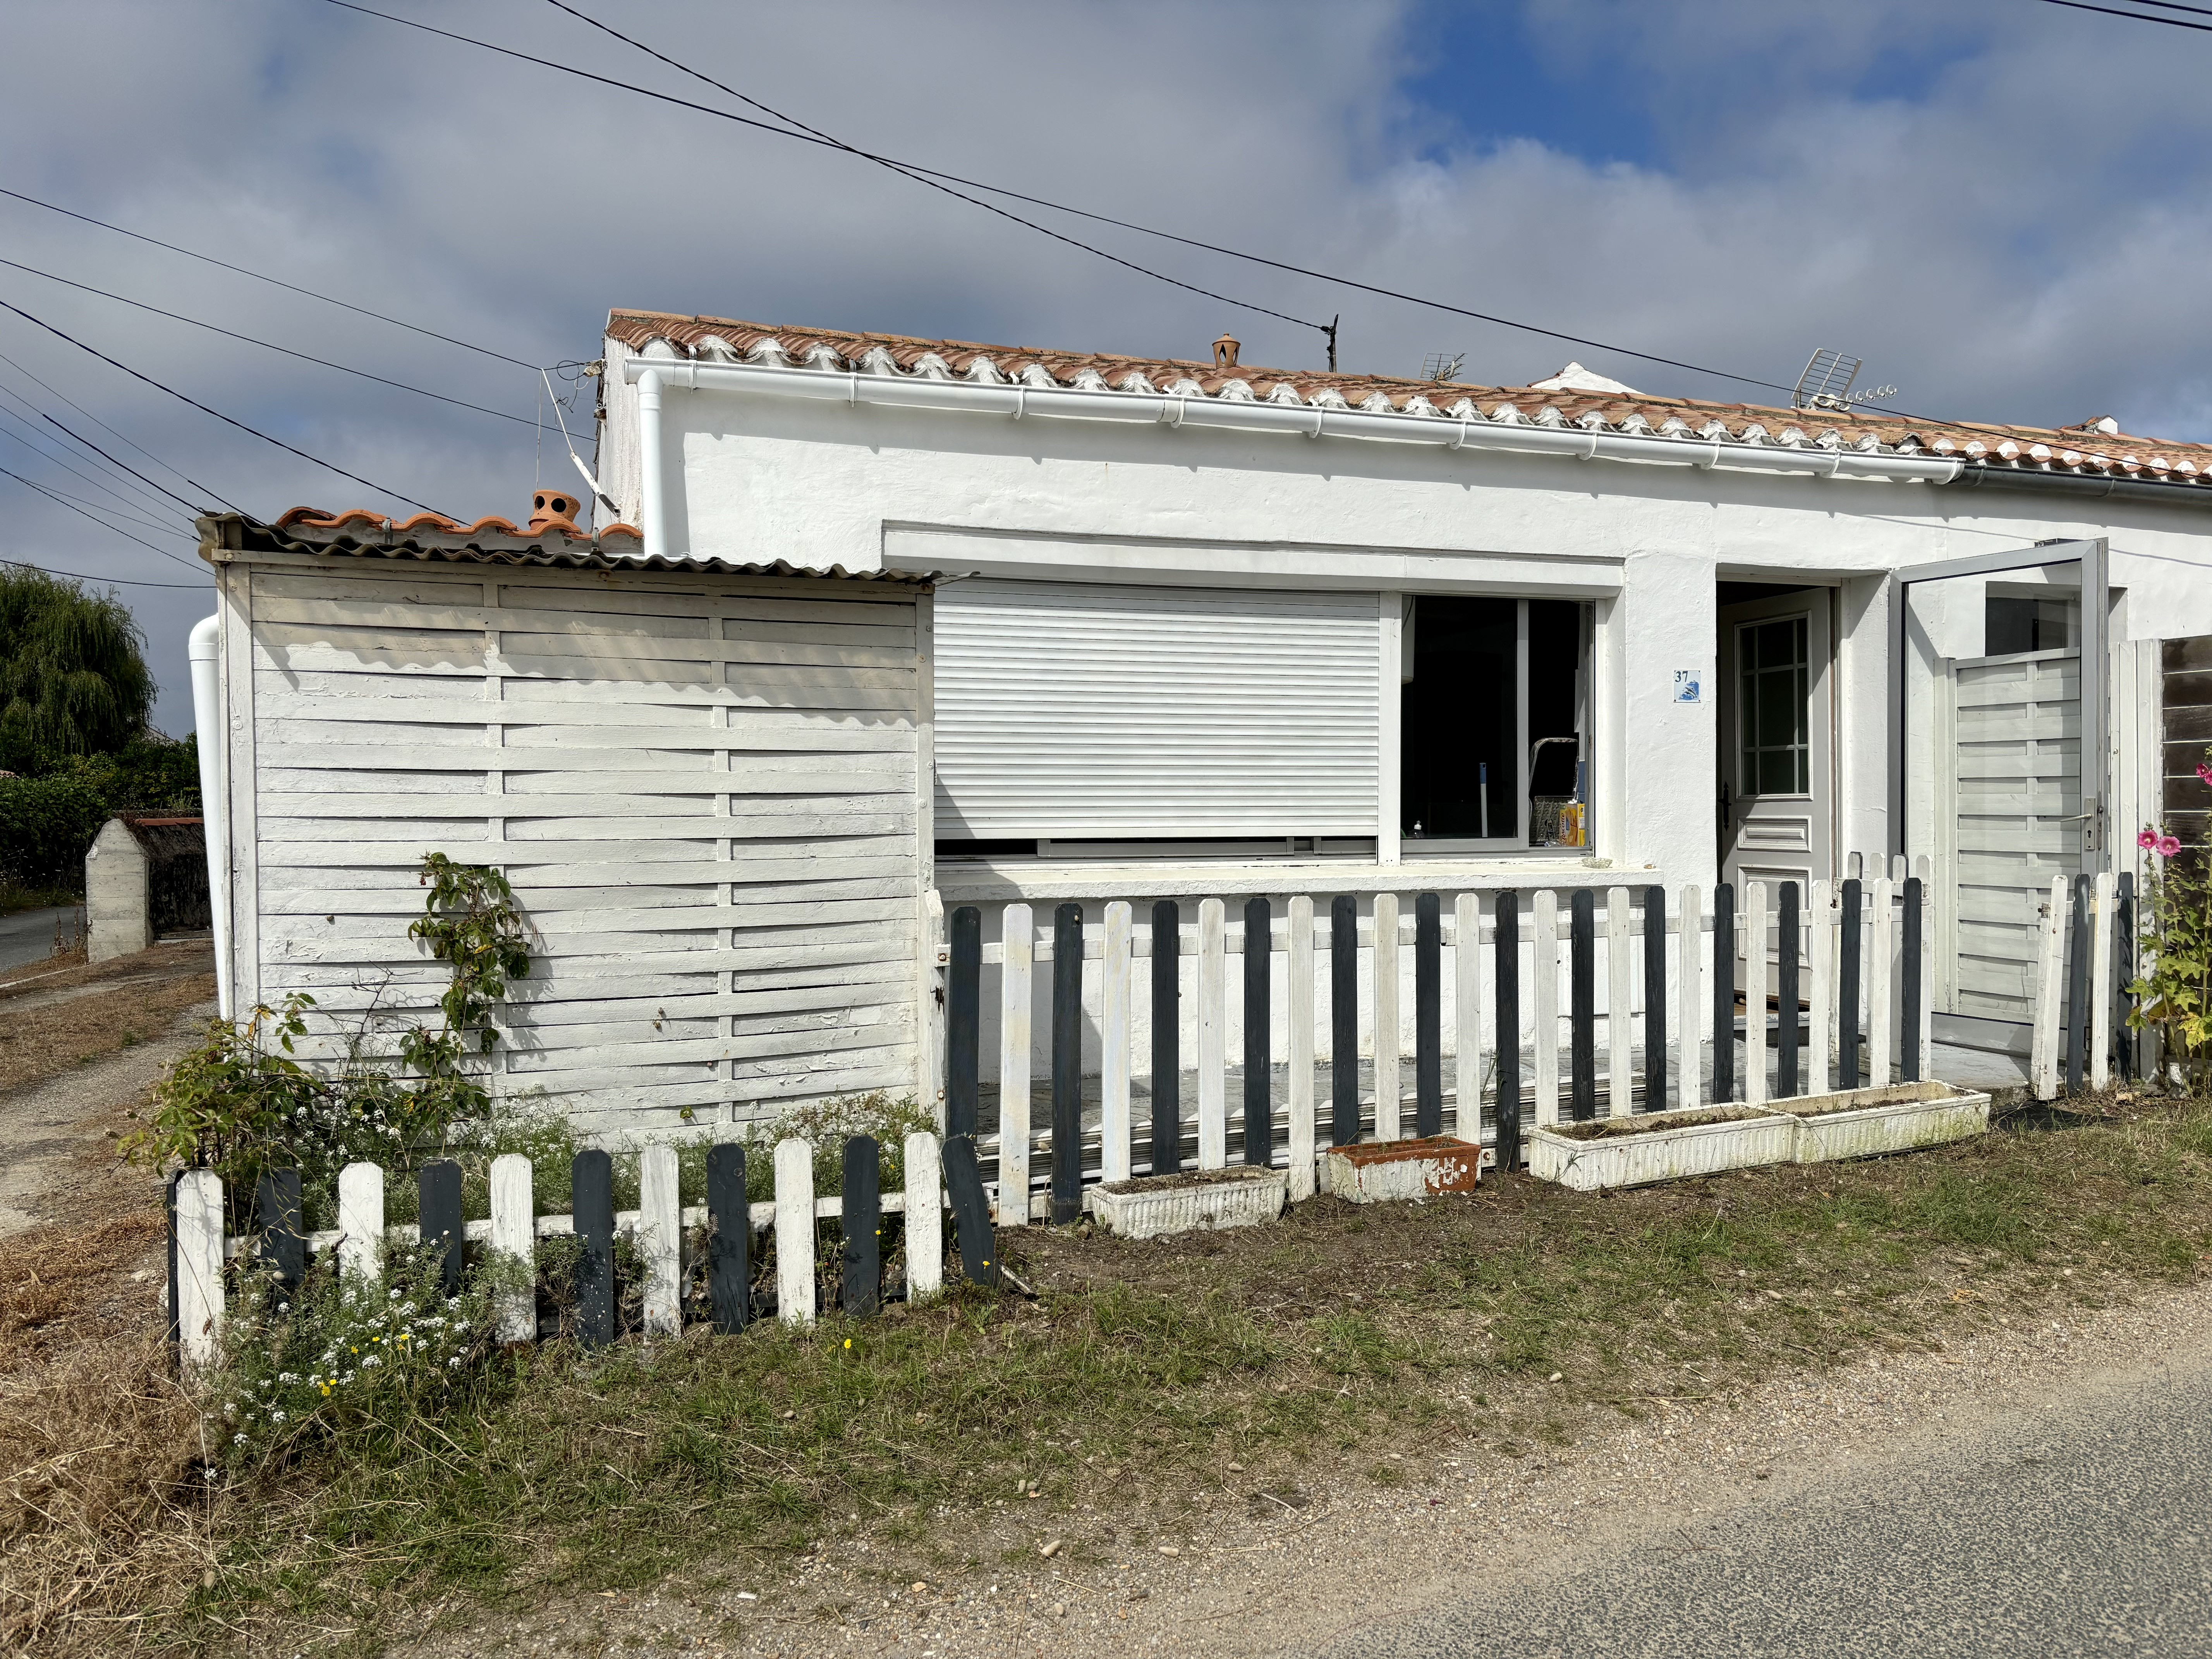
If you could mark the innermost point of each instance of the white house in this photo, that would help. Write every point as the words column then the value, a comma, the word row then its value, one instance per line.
column 941, row 623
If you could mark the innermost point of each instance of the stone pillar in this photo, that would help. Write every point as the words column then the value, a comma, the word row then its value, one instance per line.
column 118, row 910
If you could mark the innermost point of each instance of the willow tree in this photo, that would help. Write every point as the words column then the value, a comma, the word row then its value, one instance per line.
column 73, row 675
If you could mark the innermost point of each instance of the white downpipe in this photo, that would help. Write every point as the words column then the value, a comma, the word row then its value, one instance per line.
column 651, row 505
column 205, row 650
column 900, row 391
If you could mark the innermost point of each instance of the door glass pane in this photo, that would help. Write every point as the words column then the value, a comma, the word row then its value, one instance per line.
column 1771, row 708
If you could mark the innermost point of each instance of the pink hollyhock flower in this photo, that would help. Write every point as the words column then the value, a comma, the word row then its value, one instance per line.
column 2167, row 846
column 2148, row 841
column 2204, row 772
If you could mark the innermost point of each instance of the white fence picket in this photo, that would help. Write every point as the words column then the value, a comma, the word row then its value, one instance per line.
column 1819, row 955
column 1544, row 974
column 1466, row 1014
column 360, row 1220
column 1212, row 1035
column 1690, row 1090
column 1113, row 1117
column 1298, row 1000
column 1017, row 936
column 1620, row 1004
column 794, row 1228
column 660, row 1241
column 199, row 1267
column 924, row 1220
column 1389, row 1084
column 511, row 1235
column 1753, row 1091
column 2050, row 975
column 2100, row 982
column 1881, row 953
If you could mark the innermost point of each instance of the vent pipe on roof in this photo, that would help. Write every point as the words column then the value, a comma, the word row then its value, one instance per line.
column 651, row 504
column 1224, row 351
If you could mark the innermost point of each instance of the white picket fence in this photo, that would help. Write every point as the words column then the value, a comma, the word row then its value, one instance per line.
column 2054, row 1031
column 1301, row 1017
column 663, row 1231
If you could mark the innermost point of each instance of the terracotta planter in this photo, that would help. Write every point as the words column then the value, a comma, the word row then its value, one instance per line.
column 1376, row 1172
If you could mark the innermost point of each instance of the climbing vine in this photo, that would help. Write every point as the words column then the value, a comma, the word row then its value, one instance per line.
column 2174, row 995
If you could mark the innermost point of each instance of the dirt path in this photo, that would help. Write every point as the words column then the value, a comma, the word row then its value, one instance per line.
column 1273, row 1578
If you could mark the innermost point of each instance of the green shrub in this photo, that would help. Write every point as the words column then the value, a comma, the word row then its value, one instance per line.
column 46, row 827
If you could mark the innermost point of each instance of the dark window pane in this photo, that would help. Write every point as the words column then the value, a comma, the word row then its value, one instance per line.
column 1458, row 720
column 1777, row 772
column 1780, row 710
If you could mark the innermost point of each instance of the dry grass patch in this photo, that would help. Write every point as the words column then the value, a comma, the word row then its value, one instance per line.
column 43, row 1033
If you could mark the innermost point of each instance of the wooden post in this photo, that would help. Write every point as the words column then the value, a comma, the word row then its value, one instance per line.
column 1655, row 999
column 794, row 1228
column 924, row 1220
column 1467, row 1018
column 1787, row 995
column 1387, row 1087
column 1882, row 951
column 1754, row 994
column 1259, row 1047
column 971, row 1214
column 1299, row 1004
column 592, row 1187
column 1689, row 1063
column 1213, row 1036
column 169, row 1215
column 1582, row 1005
column 1853, row 957
column 661, row 1240
column 1508, row 1029
column 199, row 1267
column 1819, row 950
column 963, row 1021
column 512, row 1238
column 2123, row 931
column 1113, row 1149
column 361, row 1219
column 1066, row 1064
column 1723, row 993
column 2077, row 986
column 1544, row 990
column 1912, row 961
column 1016, row 951
column 730, row 1237
column 439, row 1218
column 283, row 1235
column 1923, row 868
column 861, row 1218
column 2051, row 937
column 1428, row 1015
column 1167, row 1038
column 1619, row 1006
column 1343, row 1020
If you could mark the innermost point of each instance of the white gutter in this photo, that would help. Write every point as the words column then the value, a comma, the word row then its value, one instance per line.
column 650, row 506
column 1060, row 403
column 204, row 650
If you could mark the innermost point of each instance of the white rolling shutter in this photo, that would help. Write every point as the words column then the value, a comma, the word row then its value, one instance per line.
column 1078, row 711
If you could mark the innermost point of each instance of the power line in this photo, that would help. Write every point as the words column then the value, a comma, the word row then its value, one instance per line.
column 260, row 277
column 808, row 136
column 110, row 431
column 227, row 420
column 38, row 442
column 82, row 513
column 118, row 582
column 1130, row 265
column 2140, row 16
column 249, row 339
column 128, row 510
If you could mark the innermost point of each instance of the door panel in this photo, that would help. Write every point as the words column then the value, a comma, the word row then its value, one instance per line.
column 1776, row 734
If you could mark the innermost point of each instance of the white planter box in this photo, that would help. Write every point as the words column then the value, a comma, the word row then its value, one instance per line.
column 1666, row 1146
column 1155, row 1206
column 1868, row 1122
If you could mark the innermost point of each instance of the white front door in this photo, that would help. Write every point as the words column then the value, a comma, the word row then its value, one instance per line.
column 1775, row 724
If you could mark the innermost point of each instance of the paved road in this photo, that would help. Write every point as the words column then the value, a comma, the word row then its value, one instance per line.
column 29, row 935
column 2085, row 1528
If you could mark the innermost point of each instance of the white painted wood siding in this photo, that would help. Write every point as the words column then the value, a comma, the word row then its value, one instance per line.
column 703, row 789
column 1072, row 710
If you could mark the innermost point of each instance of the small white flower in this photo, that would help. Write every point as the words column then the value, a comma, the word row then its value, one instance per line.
column 395, row 1296
column 276, row 1417
column 236, row 1440
column 454, row 1364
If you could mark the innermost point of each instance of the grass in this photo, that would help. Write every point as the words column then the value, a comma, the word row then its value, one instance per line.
column 1302, row 1350
column 50, row 1037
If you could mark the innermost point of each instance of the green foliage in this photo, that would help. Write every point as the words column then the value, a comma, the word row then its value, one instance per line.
column 2175, row 992
column 48, row 822
column 73, row 675
column 827, row 1125
column 240, row 1104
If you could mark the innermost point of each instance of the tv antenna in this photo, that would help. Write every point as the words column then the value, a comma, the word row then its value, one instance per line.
column 1826, row 383
column 1436, row 365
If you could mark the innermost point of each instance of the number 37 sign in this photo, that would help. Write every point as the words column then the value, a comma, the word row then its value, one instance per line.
column 1689, row 685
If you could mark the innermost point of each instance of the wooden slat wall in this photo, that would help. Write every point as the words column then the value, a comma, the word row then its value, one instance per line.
column 703, row 789
column 2186, row 672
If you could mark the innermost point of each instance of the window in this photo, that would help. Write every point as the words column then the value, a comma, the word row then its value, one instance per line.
column 2015, row 622
column 1771, row 709
column 1493, row 704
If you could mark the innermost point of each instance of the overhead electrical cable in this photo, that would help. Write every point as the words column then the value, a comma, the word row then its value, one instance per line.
column 2139, row 16
column 88, row 443
column 808, row 136
column 118, row 582
column 47, row 449
column 228, row 334
column 127, row 511
column 289, row 449
column 1057, row 236
column 274, row 281
column 81, row 512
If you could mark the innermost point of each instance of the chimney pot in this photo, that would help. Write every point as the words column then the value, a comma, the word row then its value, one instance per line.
column 552, row 509
column 1224, row 351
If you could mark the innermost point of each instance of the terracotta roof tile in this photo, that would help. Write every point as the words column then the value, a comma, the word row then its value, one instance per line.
column 2084, row 449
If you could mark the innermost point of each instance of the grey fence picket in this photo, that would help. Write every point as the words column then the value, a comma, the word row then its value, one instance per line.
column 438, row 1214
column 1847, row 987
column 1582, row 1006
column 1508, row 976
column 283, row 1233
column 861, row 1218
column 1915, row 937
column 1258, row 1069
column 2126, row 1039
column 1654, row 996
column 729, row 1237
column 2077, row 986
column 1428, row 1015
column 592, row 1184
column 1786, row 997
column 1725, row 993
column 971, row 1211
column 1066, row 1064
column 1167, row 1040
column 963, row 1022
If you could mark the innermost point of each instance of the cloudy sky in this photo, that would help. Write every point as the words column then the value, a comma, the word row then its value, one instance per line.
column 1998, row 203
